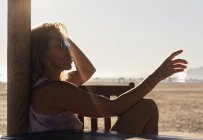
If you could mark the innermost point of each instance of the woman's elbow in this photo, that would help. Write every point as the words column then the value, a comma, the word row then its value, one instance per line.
column 92, row 71
column 88, row 75
column 109, row 110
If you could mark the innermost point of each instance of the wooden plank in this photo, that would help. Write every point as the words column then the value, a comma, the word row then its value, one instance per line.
column 18, row 58
column 107, row 121
column 81, row 118
column 107, row 90
column 107, row 124
column 94, row 124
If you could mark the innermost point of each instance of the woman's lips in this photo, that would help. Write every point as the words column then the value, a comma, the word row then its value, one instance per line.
column 69, row 62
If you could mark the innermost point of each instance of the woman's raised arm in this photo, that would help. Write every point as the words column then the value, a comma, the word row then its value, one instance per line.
column 98, row 106
column 84, row 68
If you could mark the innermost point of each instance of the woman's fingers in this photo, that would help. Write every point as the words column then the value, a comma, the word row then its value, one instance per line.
column 176, row 61
column 170, row 61
column 175, row 68
column 178, row 70
column 174, row 54
column 179, row 66
column 171, row 66
column 179, row 61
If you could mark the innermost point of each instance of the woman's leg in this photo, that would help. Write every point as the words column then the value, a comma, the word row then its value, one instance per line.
column 141, row 118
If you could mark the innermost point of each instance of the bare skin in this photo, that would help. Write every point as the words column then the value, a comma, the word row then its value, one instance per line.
column 136, row 115
column 141, row 118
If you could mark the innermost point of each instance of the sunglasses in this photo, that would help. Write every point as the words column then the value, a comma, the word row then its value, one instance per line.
column 63, row 45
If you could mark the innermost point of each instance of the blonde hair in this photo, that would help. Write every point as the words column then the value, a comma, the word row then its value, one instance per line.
column 40, row 37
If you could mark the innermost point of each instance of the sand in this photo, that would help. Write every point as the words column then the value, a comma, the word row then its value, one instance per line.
column 180, row 106
column 3, row 108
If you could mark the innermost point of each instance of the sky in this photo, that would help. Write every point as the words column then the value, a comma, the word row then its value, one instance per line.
column 122, row 37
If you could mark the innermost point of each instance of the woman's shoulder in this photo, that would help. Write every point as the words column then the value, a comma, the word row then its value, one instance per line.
column 48, row 93
column 52, row 84
column 45, row 96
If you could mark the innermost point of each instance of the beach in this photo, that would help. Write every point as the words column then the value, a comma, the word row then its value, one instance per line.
column 180, row 107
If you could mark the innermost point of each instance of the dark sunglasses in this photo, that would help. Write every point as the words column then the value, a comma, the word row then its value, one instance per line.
column 64, row 45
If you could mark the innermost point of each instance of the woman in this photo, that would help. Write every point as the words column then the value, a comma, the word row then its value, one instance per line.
column 55, row 102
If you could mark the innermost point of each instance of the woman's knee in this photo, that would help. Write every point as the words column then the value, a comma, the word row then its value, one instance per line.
column 150, row 105
column 143, row 107
column 137, row 116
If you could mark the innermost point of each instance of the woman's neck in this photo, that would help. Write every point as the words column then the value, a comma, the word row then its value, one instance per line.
column 52, row 75
column 50, row 72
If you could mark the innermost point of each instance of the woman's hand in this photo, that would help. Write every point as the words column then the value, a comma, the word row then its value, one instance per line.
column 170, row 66
column 71, row 45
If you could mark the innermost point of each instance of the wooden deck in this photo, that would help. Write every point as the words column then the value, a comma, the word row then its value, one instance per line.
column 88, row 135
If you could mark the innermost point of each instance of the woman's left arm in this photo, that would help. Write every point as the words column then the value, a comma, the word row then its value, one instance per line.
column 84, row 68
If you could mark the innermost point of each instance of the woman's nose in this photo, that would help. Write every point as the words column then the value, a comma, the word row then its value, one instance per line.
column 68, row 55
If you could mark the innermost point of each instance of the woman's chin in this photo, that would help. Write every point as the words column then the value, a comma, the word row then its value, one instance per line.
column 67, row 67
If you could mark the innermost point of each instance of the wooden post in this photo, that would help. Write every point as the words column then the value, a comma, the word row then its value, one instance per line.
column 18, row 58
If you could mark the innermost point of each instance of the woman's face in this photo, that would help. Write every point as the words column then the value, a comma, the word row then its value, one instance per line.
column 58, row 55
